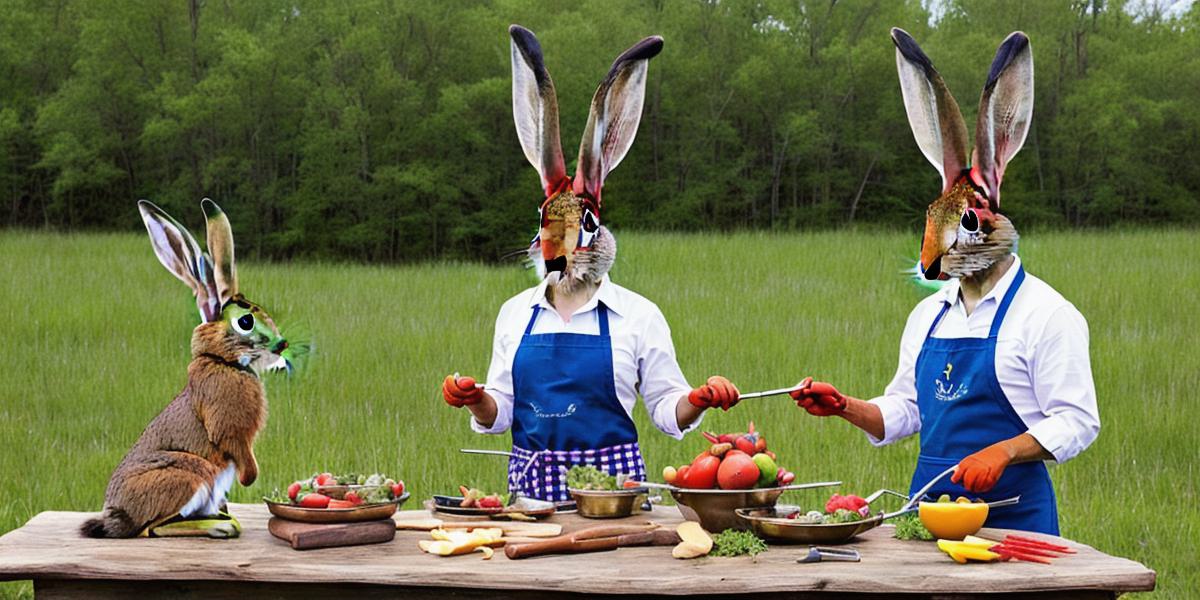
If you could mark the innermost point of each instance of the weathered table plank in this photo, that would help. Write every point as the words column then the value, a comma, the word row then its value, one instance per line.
column 49, row 550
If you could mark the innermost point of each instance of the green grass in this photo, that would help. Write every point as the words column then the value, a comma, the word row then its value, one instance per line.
column 95, row 340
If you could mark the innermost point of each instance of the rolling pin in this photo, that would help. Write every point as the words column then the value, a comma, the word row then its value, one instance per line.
column 595, row 539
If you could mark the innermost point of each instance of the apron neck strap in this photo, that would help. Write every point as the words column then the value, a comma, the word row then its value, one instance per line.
column 1006, row 302
column 1001, row 310
column 602, row 316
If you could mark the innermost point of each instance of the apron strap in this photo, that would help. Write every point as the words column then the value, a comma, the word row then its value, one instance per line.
column 533, row 318
column 1006, row 302
column 938, row 319
column 602, row 315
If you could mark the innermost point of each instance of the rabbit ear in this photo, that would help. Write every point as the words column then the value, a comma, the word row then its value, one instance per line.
column 933, row 114
column 535, row 109
column 614, row 117
column 178, row 251
column 1005, row 111
column 220, row 247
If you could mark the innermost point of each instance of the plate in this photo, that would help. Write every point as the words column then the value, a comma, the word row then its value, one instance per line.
column 537, row 509
column 366, row 512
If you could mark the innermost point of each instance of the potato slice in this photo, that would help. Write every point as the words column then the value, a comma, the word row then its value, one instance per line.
column 696, row 541
column 691, row 532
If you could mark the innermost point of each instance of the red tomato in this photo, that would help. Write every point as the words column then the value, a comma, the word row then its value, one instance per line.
column 703, row 474
column 745, row 444
column 737, row 472
column 314, row 501
column 489, row 502
column 293, row 490
column 353, row 498
column 398, row 489
column 681, row 476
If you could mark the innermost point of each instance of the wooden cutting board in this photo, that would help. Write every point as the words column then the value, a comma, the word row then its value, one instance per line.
column 306, row 536
column 419, row 520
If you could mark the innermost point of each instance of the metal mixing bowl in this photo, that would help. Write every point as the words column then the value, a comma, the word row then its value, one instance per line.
column 773, row 524
column 597, row 504
column 715, row 509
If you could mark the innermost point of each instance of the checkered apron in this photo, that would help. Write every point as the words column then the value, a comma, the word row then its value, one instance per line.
column 543, row 474
column 566, row 411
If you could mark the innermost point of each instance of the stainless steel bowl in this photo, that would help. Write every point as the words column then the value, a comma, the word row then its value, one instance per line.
column 773, row 524
column 715, row 509
column 597, row 504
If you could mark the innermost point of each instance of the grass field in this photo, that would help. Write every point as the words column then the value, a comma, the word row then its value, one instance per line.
column 95, row 337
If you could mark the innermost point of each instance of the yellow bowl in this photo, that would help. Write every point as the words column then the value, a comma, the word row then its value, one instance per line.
column 953, row 520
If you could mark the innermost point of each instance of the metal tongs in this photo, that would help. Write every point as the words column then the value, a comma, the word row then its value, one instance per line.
column 819, row 554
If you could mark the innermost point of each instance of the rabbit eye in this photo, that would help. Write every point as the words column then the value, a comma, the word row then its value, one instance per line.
column 589, row 222
column 244, row 324
column 970, row 221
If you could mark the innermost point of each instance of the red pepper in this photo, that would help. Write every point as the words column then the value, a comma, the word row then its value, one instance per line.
column 1028, row 549
column 1017, row 554
column 1039, row 543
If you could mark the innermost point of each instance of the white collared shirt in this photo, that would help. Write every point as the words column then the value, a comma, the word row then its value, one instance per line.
column 643, row 354
column 1041, row 362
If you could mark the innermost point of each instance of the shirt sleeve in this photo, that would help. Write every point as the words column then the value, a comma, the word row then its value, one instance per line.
column 499, row 379
column 901, row 417
column 1063, row 386
column 660, row 380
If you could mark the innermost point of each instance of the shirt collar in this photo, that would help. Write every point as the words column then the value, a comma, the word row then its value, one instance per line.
column 951, row 296
column 606, row 293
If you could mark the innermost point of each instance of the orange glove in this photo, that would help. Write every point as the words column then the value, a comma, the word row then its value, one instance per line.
column 979, row 472
column 461, row 391
column 819, row 398
column 717, row 392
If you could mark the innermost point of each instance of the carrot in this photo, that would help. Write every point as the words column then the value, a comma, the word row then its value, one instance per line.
column 1017, row 554
column 1029, row 550
column 1041, row 543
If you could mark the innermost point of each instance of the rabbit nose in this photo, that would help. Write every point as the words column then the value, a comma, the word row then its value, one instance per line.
column 558, row 263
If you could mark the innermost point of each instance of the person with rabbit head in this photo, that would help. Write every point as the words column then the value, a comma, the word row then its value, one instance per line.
column 994, row 371
column 572, row 354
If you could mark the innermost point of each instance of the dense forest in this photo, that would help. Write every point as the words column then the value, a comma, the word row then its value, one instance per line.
column 382, row 129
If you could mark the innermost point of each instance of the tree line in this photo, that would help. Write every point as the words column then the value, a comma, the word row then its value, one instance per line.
column 381, row 130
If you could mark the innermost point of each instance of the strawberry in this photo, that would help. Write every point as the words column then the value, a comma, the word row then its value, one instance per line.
column 492, row 501
column 340, row 504
column 326, row 479
column 314, row 501
column 293, row 491
column 353, row 498
column 398, row 489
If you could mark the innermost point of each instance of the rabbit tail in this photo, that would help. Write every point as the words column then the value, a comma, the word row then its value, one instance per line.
column 112, row 523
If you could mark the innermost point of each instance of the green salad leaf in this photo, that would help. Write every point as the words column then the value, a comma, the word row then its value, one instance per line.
column 732, row 542
column 909, row 527
column 590, row 478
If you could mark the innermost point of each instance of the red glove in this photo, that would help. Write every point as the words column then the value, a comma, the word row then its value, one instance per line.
column 819, row 398
column 461, row 391
column 717, row 392
column 979, row 472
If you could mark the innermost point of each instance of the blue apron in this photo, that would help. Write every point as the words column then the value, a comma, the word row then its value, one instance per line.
column 566, row 411
column 964, row 410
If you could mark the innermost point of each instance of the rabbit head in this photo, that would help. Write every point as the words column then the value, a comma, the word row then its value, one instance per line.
column 233, row 329
column 572, row 247
column 965, row 234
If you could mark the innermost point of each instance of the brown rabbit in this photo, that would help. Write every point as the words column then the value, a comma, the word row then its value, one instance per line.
column 184, row 462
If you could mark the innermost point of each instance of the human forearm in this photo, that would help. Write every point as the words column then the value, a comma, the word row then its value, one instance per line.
column 1024, row 448
column 864, row 415
column 686, row 413
column 484, row 411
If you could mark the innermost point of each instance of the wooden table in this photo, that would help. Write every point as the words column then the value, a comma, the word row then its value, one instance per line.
column 49, row 550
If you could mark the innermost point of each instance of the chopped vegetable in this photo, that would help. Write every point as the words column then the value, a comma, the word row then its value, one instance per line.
column 452, row 543
column 695, row 541
column 909, row 527
column 737, row 543
column 590, row 478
